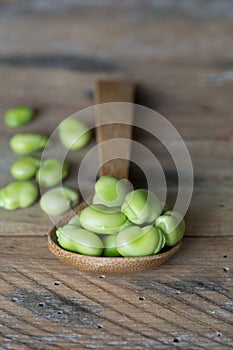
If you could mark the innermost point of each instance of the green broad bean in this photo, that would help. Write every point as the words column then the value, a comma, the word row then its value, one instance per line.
column 141, row 206
column 79, row 240
column 110, row 191
column 74, row 134
column 25, row 168
column 18, row 116
column 161, row 241
column 110, row 249
column 18, row 194
column 28, row 143
column 172, row 225
column 75, row 221
column 99, row 218
column 138, row 241
column 58, row 200
column 51, row 172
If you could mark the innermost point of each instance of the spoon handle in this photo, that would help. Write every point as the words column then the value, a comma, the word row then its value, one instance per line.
column 114, row 122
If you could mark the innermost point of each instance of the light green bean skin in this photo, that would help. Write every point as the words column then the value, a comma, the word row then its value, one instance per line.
column 79, row 240
column 18, row 116
column 141, row 206
column 102, row 219
column 161, row 241
column 110, row 191
column 51, row 172
column 110, row 249
column 25, row 168
column 18, row 194
column 58, row 200
column 28, row 143
column 74, row 134
column 75, row 221
column 138, row 241
column 172, row 225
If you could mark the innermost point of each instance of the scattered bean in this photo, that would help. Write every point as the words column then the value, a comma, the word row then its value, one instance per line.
column 18, row 194
column 18, row 116
column 51, row 172
column 25, row 168
column 74, row 134
column 58, row 200
column 27, row 143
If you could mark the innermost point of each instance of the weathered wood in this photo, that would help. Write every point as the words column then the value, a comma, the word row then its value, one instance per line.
column 181, row 300
column 179, row 54
column 213, row 188
column 210, row 214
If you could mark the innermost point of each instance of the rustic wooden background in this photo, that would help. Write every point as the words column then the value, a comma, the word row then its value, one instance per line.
column 180, row 53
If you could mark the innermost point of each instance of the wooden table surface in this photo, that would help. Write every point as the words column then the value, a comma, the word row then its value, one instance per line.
column 180, row 55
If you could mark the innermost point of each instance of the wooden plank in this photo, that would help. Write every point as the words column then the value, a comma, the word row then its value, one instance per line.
column 187, row 77
column 213, row 188
column 179, row 302
column 188, row 72
column 123, row 29
column 166, row 9
column 216, row 221
column 188, row 106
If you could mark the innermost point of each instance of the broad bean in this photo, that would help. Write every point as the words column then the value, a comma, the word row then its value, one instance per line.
column 25, row 168
column 172, row 225
column 79, row 240
column 75, row 221
column 138, row 241
column 28, row 143
column 18, row 194
column 102, row 219
column 58, row 200
column 18, row 116
column 74, row 134
column 110, row 248
column 110, row 191
column 51, row 172
column 141, row 206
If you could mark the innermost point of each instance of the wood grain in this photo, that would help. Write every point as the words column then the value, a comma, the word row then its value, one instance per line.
column 180, row 300
column 114, row 153
column 180, row 56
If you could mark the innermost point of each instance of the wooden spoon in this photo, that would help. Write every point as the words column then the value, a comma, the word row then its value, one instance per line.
column 107, row 91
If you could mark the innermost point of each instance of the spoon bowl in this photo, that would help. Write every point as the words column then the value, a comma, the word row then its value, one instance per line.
column 114, row 125
column 105, row 265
